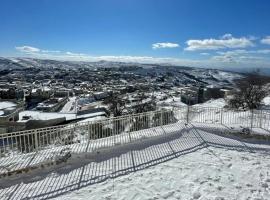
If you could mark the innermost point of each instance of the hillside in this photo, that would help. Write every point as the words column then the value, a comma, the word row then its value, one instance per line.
column 180, row 74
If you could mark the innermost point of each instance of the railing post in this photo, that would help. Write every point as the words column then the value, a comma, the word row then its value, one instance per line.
column 89, row 132
column 161, row 118
column 188, row 114
column 261, row 116
column 36, row 140
column 251, row 123
column 221, row 116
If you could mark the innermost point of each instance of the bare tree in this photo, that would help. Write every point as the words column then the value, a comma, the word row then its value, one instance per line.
column 145, row 104
column 250, row 91
column 115, row 104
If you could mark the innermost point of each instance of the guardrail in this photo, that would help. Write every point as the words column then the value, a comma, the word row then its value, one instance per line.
column 52, row 137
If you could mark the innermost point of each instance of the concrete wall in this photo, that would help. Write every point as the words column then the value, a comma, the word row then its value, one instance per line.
column 32, row 124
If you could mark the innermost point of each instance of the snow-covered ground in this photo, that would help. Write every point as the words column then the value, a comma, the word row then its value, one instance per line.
column 7, row 104
column 70, row 106
column 213, row 103
column 209, row 173
column 194, row 162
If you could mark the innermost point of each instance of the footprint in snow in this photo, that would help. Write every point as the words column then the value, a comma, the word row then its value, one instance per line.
column 265, row 185
column 229, row 165
column 196, row 195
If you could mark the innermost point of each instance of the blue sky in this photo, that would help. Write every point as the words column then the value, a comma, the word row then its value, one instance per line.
column 217, row 33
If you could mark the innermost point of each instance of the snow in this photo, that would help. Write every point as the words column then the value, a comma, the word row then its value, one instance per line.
column 213, row 103
column 176, row 162
column 266, row 101
column 92, row 119
column 205, row 174
column 70, row 106
column 6, row 104
column 37, row 115
column 46, row 88
column 172, row 102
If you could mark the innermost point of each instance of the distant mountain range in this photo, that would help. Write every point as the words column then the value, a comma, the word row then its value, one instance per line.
column 182, row 74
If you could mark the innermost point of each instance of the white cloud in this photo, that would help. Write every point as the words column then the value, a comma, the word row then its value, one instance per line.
column 242, row 55
column 238, row 59
column 227, row 36
column 205, row 54
column 266, row 40
column 244, row 51
column 74, row 54
column 235, row 58
column 226, row 41
column 34, row 50
column 27, row 49
column 264, row 51
column 50, row 51
column 164, row 45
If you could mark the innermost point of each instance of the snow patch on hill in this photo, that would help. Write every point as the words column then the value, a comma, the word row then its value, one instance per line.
column 213, row 103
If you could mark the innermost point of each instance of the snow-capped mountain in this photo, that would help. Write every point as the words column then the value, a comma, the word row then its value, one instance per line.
column 181, row 74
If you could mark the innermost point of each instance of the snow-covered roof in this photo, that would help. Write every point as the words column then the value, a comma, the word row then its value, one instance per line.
column 7, row 104
column 1, row 113
column 36, row 115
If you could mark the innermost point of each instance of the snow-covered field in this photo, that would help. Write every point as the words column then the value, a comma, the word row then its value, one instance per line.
column 209, row 173
column 194, row 162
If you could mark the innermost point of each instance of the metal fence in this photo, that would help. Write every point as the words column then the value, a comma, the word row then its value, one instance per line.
column 124, row 129
column 241, row 118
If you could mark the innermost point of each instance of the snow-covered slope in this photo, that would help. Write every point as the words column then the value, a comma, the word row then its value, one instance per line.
column 185, row 163
column 214, row 174
column 179, row 74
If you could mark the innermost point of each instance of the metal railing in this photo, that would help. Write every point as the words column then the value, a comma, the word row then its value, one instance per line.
column 93, row 135
column 81, row 132
column 244, row 118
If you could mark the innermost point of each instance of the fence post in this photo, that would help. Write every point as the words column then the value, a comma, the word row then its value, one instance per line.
column 89, row 132
column 261, row 116
column 251, row 123
column 161, row 113
column 188, row 114
column 36, row 140
column 221, row 116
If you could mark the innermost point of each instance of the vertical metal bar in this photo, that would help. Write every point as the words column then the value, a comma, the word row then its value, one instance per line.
column 88, row 129
column 161, row 116
column 251, row 123
column 221, row 116
column 261, row 116
column 36, row 140
column 188, row 114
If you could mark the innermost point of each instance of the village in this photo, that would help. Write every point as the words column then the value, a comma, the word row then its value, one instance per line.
column 41, row 97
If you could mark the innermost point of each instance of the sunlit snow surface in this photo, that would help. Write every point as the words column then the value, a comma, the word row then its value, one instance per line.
column 209, row 173
column 194, row 162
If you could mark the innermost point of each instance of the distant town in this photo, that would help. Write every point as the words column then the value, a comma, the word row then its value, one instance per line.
column 38, row 93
